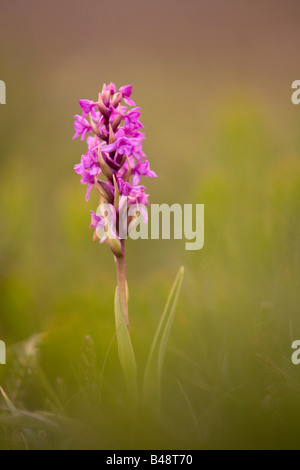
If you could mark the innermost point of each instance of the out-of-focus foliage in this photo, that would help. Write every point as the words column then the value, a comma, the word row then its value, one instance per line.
column 228, row 380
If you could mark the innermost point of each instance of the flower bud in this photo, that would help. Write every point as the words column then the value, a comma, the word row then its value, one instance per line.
column 104, row 110
column 111, row 138
column 127, row 173
column 94, row 126
column 117, row 193
column 116, row 99
column 104, row 167
column 121, row 159
column 116, row 122
column 104, row 190
column 105, row 95
column 102, row 134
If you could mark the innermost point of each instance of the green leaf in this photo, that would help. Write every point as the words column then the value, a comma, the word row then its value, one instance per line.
column 126, row 353
column 154, row 366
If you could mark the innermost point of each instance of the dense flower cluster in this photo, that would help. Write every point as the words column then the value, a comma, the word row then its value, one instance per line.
column 114, row 162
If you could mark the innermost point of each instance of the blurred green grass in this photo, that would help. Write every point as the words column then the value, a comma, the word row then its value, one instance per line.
column 229, row 381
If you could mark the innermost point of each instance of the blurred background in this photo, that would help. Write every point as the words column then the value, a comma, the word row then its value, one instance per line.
column 213, row 79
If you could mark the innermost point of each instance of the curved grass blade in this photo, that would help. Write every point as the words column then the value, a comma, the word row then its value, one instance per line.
column 10, row 406
column 25, row 419
column 19, row 418
column 126, row 353
column 153, row 371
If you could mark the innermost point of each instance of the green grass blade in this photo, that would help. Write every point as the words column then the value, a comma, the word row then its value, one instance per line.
column 25, row 419
column 125, row 350
column 10, row 406
column 52, row 395
column 190, row 407
column 16, row 417
column 153, row 371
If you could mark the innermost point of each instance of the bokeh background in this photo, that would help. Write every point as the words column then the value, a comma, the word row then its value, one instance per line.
column 213, row 79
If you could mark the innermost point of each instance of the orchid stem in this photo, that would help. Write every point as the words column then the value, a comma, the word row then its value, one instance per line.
column 122, row 283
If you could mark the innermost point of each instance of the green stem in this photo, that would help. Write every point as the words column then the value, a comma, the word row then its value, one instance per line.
column 122, row 284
